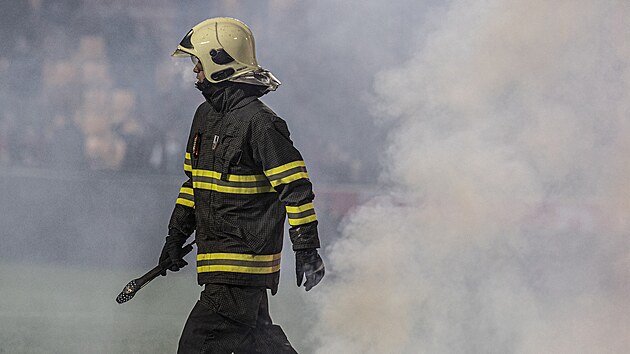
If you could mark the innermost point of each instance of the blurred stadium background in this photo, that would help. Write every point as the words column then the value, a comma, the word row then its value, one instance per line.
column 94, row 115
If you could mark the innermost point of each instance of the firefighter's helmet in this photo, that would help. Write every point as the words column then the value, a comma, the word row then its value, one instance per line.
column 224, row 46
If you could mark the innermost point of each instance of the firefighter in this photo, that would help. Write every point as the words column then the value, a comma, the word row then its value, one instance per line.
column 244, row 178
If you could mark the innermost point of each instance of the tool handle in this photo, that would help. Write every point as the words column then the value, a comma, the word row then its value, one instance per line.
column 162, row 267
column 135, row 285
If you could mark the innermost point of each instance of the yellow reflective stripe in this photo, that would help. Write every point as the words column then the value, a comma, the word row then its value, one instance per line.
column 211, row 180
column 302, row 221
column 185, row 202
column 186, row 190
column 285, row 167
column 299, row 209
column 252, row 269
column 206, row 173
column 231, row 178
column 234, row 190
column 187, row 167
column 246, row 178
column 302, row 214
column 238, row 269
column 239, row 257
column 289, row 179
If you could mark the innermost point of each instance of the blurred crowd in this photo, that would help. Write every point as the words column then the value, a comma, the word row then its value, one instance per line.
column 68, row 95
column 89, row 84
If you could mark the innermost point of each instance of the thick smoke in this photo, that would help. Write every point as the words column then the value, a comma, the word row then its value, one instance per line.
column 505, row 226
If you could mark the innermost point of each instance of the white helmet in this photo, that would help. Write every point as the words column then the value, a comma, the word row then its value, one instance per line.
column 224, row 46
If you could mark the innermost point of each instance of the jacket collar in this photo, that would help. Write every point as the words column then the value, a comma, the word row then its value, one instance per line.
column 226, row 96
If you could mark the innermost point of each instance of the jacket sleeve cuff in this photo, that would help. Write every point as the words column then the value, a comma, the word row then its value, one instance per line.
column 304, row 236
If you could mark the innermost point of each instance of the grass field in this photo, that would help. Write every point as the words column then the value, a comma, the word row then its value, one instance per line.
column 72, row 309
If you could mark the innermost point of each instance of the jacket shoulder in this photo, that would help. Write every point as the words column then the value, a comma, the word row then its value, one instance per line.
column 260, row 115
column 264, row 119
column 204, row 108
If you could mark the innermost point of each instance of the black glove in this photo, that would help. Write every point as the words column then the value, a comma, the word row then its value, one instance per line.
column 173, row 250
column 309, row 263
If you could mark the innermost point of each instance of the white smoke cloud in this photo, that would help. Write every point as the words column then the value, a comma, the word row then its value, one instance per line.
column 507, row 232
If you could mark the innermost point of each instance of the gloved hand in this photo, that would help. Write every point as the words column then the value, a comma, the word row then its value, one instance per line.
column 173, row 250
column 309, row 263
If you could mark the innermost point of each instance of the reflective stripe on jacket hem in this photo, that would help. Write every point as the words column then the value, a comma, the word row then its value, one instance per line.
column 238, row 263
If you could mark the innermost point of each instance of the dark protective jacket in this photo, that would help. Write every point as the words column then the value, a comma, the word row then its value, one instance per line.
column 244, row 178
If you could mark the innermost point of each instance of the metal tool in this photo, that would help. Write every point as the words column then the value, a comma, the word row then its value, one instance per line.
column 130, row 290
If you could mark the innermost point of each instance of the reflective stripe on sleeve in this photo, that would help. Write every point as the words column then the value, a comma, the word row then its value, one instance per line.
column 186, row 197
column 238, row 263
column 187, row 163
column 299, row 215
column 287, row 173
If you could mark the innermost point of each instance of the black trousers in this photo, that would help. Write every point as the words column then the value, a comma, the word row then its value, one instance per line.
column 230, row 319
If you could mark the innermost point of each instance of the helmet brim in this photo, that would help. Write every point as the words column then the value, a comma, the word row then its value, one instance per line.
column 181, row 53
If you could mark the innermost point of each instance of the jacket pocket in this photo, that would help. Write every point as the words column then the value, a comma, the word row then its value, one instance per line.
column 230, row 151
